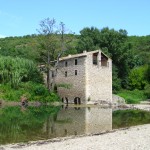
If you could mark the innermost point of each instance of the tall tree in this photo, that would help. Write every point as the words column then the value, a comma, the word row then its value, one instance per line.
column 89, row 39
column 113, row 43
column 53, row 45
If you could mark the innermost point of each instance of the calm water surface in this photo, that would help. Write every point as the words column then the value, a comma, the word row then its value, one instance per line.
column 19, row 124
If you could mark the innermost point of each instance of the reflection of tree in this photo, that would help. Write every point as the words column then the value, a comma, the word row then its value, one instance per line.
column 19, row 126
column 50, row 125
column 127, row 118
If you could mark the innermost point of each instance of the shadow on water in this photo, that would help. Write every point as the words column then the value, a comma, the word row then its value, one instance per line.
column 23, row 124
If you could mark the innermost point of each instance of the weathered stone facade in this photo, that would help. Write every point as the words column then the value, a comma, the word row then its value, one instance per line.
column 88, row 76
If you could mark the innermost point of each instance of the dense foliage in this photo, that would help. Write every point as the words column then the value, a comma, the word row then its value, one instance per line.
column 31, row 90
column 16, row 70
column 21, row 77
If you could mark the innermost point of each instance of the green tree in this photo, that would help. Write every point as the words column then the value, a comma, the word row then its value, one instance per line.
column 137, row 78
column 88, row 39
column 114, row 44
column 116, row 84
column 148, row 73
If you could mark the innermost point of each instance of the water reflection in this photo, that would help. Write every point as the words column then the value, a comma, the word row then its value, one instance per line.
column 22, row 124
column 76, row 121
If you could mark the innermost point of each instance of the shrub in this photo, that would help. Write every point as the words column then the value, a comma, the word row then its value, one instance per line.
column 137, row 77
column 147, row 90
column 16, row 70
column 33, row 92
column 132, row 97
column 40, row 90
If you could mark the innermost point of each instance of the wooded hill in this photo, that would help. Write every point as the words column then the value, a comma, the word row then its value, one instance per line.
column 130, row 54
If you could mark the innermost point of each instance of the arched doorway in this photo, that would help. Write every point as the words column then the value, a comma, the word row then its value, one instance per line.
column 64, row 100
column 77, row 100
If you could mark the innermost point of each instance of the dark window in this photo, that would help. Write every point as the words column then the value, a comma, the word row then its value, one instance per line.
column 76, row 72
column 104, row 60
column 52, row 74
column 76, row 61
column 65, row 73
column 95, row 58
column 66, row 63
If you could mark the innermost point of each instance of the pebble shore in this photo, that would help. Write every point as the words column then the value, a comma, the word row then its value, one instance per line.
column 133, row 138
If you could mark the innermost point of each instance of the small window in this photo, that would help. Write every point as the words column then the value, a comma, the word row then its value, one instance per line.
column 95, row 57
column 52, row 74
column 104, row 60
column 65, row 73
column 76, row 61
column 76, row 72
column 66, row 63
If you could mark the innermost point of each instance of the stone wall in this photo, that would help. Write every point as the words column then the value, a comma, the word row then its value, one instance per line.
column 76, row 82
column 93, row 82
column 98, row 80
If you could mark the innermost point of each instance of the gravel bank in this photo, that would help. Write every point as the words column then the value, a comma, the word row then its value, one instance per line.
column 134, row 138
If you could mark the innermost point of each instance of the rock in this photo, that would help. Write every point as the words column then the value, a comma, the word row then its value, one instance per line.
column 24, row 100
column 117, row 99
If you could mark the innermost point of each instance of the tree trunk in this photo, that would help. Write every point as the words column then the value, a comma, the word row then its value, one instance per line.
column 48, row 72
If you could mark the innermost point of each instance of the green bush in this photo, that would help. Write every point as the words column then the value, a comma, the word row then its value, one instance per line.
column 33, row 92
column 40, row 90
column 137, row 77
column 16, row 70
column 132, row 97
column 147, row 90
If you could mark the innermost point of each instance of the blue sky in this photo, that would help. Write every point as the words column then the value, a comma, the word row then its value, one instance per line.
column 22, row 17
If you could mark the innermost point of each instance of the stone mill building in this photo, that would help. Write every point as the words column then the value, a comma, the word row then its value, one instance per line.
column 88, row 77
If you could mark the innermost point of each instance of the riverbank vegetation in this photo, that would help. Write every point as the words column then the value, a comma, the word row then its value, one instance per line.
column 21, row 77
column 130, row 55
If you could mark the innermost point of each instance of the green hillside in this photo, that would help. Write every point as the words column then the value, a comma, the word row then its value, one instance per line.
column 130, row 54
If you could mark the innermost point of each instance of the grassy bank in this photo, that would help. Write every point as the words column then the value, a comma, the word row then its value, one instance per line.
column 32, row 91
column 132, row 97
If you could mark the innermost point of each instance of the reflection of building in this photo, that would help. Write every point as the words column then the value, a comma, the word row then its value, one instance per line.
column 89, row 76
column 77, row 121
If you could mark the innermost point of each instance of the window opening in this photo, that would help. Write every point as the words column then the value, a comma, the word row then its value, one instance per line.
column 95, row 58
column 104, row 60
column 52, row 74
column 77, row 100
column 76, row 61
column 66, row 63
column 65, row 73
column 76, row 72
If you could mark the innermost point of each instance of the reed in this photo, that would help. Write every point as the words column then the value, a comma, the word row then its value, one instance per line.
column 13, row 70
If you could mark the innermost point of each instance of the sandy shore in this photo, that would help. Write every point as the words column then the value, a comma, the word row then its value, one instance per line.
column 134, row 138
